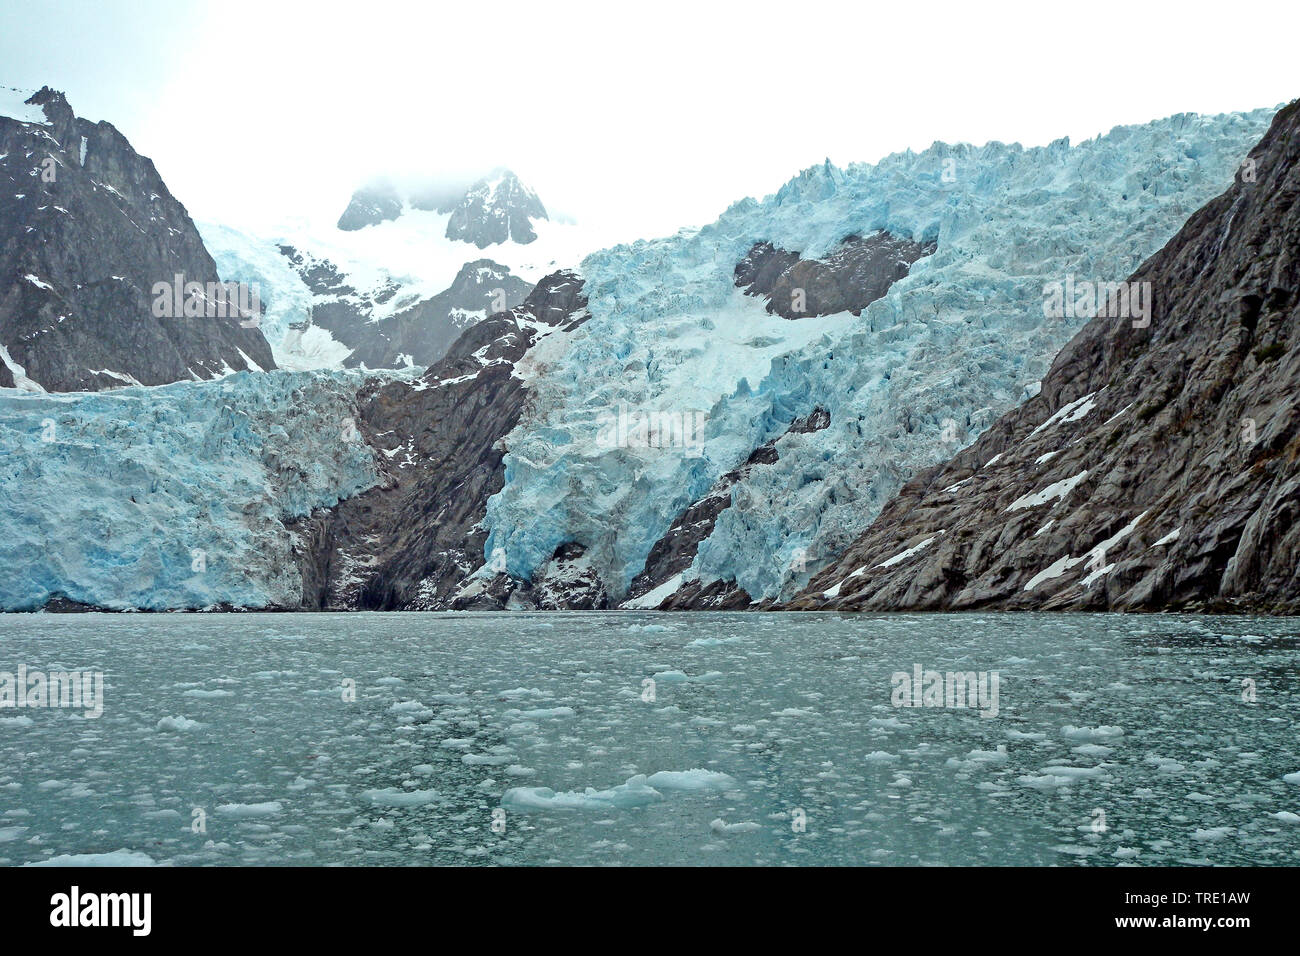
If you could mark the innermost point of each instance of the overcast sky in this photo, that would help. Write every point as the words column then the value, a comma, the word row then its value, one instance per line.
column 647, row 116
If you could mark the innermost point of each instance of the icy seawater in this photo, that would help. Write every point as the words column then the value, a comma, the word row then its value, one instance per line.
column 641, row 738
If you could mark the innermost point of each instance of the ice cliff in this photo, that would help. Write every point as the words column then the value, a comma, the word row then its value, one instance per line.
column 172, row 496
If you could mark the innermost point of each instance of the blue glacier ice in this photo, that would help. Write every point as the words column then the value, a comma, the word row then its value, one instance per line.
column 172, row 496
column 962, row 338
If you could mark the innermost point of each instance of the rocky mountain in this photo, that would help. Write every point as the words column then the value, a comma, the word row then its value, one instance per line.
column 389, row 327
column 495, row 209
column 1159, row 466
column 104, row 280
column 415, row 541
column 370, row 205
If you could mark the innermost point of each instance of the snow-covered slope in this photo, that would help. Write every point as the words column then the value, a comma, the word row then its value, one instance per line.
column 175, row 495
column 285, row 298
column 919, row 374
column 380, row 273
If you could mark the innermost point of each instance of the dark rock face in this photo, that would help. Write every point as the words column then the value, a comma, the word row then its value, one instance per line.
column 675, row 551
column 87, row 228
column 411, row 542
column 371, row 205
column 857, row 273
column 419, row 334
column 1158, row 468
column 496, row 210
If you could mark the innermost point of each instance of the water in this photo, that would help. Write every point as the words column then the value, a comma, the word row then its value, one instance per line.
column 452, row 711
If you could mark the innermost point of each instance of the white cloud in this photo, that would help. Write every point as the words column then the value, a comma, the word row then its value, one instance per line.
column 648, row 117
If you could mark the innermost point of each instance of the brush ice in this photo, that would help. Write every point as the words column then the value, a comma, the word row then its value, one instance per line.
column 356, row 780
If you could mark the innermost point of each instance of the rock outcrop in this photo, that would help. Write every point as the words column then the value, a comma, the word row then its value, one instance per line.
column 414, row 541
column 370, row 205
column 88, row 231
column 496, row 209
column 858, row 272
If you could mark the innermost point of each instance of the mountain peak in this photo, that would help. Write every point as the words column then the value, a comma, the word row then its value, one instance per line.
column 493, row 209
column 497, row 208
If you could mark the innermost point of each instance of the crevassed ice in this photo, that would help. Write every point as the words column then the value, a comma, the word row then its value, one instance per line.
column 171, row 496
column 962, row 337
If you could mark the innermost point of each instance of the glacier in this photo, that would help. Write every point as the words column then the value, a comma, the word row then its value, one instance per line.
column 918, row 375
column 173, row 496
column 285, row 298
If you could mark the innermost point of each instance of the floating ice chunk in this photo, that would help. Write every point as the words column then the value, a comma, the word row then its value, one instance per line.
column 634, row 793
column 680, row 677
column 1046, row 781
column 487, row 760
column 178, row 723
column 887, row 723
column 1165, row 764
column 713, row 641
column 543, row 712
column 121, row 857
column 1212, row 834
column 670, row 677
column 249, row 810
column 977, row 757
column 1073, row 772
column 1091, row 734
column 1093, row 750
column 695, row 779
column 721, row 826
column 393, row 797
